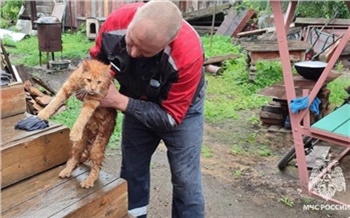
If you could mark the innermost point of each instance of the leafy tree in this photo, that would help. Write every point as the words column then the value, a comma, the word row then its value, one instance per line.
column 313, row 9
column 9, row 11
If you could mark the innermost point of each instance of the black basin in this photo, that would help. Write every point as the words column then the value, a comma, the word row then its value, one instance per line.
column 310, row 69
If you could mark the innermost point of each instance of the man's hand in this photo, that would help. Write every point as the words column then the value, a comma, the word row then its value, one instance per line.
column 114, row 99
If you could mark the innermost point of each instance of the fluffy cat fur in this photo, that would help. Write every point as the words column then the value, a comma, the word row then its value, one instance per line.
column 94, row 125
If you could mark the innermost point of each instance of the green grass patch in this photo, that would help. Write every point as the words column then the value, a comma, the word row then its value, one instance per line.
column 74, row 46
column 206, row 152
column 232, row 91
column 237, row 149
column 338, row 93
column 286, row 201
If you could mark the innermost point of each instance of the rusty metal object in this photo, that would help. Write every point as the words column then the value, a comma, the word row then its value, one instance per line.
column 49, row 36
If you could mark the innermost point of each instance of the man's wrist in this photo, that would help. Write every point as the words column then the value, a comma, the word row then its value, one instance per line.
column 122, row 102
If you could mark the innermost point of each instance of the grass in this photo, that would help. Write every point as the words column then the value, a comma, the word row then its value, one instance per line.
column 286, row 201
column 264, row 151
column 237, row 173
column 237, row 149
column 206, row 152
column 338, row 94
column 74, row 46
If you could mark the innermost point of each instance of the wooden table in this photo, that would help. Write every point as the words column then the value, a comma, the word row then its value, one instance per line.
column 278, row 90
column 268, row 50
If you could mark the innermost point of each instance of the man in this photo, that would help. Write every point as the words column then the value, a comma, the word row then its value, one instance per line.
column 157, row 59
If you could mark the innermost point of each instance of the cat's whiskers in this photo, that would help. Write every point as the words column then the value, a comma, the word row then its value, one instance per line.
column 81, row 93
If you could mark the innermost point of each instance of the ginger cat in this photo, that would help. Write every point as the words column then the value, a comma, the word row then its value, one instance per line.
column 94, row 126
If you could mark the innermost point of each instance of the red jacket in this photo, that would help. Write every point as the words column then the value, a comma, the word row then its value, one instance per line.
column 184, row 61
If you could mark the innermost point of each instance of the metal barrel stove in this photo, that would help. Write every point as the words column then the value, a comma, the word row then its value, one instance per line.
column 49, row 37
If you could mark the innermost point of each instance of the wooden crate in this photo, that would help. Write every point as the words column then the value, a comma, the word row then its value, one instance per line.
column 46, row 195
column 26, row 153
column 12, row 99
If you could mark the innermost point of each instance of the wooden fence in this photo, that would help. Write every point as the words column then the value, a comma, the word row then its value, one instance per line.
column 78, row 9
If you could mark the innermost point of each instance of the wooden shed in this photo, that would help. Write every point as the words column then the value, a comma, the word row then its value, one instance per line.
column 76, row 11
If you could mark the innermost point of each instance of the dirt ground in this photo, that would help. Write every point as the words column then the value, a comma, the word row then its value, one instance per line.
column 236, row 184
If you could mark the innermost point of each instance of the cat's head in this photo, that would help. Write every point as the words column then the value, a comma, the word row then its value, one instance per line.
column 95, row 77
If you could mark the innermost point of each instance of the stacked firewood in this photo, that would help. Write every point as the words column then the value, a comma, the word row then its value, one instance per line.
column 36, row 99
column 276, row 112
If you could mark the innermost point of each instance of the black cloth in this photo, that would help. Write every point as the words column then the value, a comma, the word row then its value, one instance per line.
column 5, row 78
column 32, row 123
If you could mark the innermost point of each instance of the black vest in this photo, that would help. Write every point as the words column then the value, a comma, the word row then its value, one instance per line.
column 139, row 78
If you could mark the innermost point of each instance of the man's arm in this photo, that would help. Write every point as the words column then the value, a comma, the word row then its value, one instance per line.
column 148, row 113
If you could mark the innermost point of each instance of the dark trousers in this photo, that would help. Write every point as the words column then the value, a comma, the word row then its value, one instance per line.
column 183, row 150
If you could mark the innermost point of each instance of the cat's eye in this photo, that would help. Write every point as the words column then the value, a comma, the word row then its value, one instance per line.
column 99, row 82
column 89, row 80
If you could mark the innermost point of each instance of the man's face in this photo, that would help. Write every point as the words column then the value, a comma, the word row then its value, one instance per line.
column 140, row 45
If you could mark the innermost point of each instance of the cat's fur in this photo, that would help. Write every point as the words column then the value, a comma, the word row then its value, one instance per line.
column 94, row 126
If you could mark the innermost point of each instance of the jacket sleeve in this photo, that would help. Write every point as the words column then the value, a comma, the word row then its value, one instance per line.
column 150, row 114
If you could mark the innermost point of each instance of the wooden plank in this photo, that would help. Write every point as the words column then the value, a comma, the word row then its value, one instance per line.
column 31, row 155
column 220, row 58
column 294, row 56
column 278, row 90
column 243, row 22
column 252, row 32
column 50, row 196
column 25, row 190
column 228, row 24
column 264, row 46
column 12, row 99
column 300, row 21
column 205, row 12
column 9, row 134
column 333, row 120
column 234, row 22
column 110, row 201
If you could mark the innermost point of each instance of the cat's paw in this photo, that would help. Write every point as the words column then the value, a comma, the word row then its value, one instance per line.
column 65, row 173
column 87, row 183
column 43, row 116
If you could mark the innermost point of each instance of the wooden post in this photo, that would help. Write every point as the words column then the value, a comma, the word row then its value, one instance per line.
column 212, row 26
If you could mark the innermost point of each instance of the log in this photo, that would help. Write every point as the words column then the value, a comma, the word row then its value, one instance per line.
column 213, row 69
column 23, row 74
column 252, row 32
column 37, row 107
column 220, row 58
column 43, row 100
column 43, row 84
column 34, row 91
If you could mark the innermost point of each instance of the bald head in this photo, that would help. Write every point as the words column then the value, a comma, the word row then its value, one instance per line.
column 153, row 27
column 163, row 18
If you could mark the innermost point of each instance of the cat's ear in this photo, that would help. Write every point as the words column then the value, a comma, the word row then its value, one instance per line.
column 85, row 66
column 107, row 71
